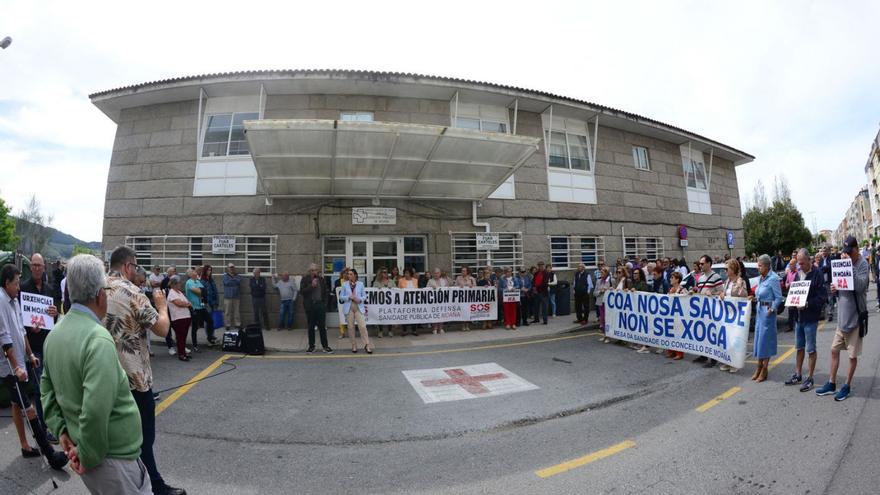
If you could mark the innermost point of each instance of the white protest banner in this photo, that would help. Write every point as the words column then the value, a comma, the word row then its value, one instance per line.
column 797, row 294
column 415, row 306
column 223, row 244
column 842, row 274
column 695, row 324
column 35, row 310
column 511, row 295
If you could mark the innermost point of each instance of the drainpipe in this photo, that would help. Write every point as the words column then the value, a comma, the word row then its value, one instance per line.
column 484, row 225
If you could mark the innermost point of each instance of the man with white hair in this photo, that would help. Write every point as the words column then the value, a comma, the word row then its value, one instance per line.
column 315, row 295
column 85, row 390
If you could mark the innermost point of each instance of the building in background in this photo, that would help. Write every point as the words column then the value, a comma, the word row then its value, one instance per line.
column 872, row 170
column 277, row 169
column 862, row 218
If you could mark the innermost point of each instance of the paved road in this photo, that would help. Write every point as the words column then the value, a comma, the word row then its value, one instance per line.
column 354, row 424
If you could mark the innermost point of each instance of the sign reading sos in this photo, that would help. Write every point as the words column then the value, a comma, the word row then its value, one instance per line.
column 480, row 308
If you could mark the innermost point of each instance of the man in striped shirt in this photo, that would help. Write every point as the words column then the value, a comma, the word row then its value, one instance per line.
column 708, row 283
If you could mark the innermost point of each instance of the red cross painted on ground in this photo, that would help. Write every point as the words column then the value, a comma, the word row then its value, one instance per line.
column 472, row 384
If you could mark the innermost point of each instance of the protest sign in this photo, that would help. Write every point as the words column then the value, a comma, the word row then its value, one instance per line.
column 223, row 244
column 35, row 311
column 695, row 324
column 511, row 295
column 416, row 306
column 797, row 294
column 842, row 274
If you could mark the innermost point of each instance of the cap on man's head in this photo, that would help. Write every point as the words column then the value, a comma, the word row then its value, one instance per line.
column 849, row 245
column 540, row 263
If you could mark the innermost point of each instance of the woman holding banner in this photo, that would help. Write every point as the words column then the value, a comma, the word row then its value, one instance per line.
column 437, row 281
column 510, row 282
column 465, row 281
column 603, row 284
column 768, row 296
column 409, row 281
column 734, row 286
column 676, row 289
column 383, row 281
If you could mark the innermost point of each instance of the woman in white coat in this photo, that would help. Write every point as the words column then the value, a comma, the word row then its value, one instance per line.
column 352, row 296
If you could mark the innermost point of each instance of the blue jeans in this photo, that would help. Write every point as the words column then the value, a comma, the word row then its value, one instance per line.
column 285, row 316
column 553, row 304
column 805, row 335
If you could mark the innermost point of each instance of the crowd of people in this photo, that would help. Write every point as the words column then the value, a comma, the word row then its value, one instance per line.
column 91, row 376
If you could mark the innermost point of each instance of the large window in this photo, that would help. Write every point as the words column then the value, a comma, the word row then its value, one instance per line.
column 640, row 158
column 224, row 134
column 479, row 124
column 189, row 251
column 465, row 252
column 643, row 247
column 567, row 151
column 415, row 253
column 566, row 252
column 696, row 174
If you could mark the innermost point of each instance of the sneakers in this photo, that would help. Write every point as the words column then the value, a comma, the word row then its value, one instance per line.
column 310, row 350
column 794, row 380
column 700, row 359
column 842, row 394
column 327, row 350
column 172, row 351
column 827, row 389
column 724, row 367
column 808, row 384
column 57, row 460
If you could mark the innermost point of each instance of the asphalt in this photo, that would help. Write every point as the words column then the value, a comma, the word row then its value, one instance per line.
column 291, row 423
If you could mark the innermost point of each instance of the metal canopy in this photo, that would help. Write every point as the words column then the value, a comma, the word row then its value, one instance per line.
column 331, row 158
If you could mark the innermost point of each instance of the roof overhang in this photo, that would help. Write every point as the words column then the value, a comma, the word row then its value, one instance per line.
column 330, row 158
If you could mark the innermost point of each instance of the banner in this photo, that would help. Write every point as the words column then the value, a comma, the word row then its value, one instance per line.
column 223, row 244
column 35, row 310
column 797, row 294
column 695, row 324
column 842, row 274
column 511, row 295
column 417, row 306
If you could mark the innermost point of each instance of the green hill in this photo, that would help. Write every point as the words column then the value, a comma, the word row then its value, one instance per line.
column 59, row 245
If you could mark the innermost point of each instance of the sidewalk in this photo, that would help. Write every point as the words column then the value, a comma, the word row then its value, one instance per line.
column 297, row 340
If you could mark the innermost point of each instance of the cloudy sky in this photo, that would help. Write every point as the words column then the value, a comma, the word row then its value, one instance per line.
column 793, row 83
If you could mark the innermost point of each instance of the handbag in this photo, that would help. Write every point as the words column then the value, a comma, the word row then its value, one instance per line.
column 863, row 317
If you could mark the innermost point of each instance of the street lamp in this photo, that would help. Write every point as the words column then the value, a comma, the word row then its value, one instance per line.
column 5, row 42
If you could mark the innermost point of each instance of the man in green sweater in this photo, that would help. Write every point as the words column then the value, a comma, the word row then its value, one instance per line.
column 85, row 393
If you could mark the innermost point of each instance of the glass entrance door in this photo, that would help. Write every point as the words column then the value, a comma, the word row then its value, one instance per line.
column 368, row 254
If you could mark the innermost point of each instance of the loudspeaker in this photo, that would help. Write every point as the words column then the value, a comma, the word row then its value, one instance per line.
column 232, row 341
column 252, row 340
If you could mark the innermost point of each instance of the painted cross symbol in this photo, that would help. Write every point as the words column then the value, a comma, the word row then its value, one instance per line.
column 472, row 384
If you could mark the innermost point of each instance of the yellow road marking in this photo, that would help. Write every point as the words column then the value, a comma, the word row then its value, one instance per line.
column 781, row 358
column 190, row 384
column 426, row 353
column 583, row 461
column 717, row 400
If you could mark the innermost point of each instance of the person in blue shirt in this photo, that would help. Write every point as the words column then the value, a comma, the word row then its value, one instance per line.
column 768, row 297
column 193, row 293
column 232, row 297
column 352, row 296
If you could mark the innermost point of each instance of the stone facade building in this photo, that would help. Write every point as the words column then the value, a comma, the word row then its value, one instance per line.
column 369, row 169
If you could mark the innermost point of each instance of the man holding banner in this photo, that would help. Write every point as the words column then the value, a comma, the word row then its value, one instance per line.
column 808, row 308
column 852, row 320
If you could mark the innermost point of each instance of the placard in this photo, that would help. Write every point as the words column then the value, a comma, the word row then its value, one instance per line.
column 35, row 310
column 417, row 306
column 695, row 324
column 842, row 274
column 730, row 239
column 223, row 244
column 373, row 216
column 487, row 241
column 511, row 295
column 797, row 294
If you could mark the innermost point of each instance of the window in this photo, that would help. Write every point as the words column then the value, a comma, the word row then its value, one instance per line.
column 640, row 158
column 334, row 254
column 465, row 253
column 477, row 122
column 567, row 151
column 643, row 247
column 187, row 251
column 414, row 253
column 224, row 134
column 356, row 116
column 696, row 174
column 567, row 252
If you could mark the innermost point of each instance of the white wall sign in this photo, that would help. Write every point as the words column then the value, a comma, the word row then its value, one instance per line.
column 223, row 244
column 374, row 216
column 487, row 241
column 797, row 294
column 842, row 274
column 465, row 382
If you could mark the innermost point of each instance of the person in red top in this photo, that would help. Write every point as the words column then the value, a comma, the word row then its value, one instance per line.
column 540, row 289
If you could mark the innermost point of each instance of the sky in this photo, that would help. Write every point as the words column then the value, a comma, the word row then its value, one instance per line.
column 793, row 83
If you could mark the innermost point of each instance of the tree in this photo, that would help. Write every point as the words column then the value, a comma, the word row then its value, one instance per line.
column 8, row 240
column 33, row 228
column 77, row 249
column 779, row 227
